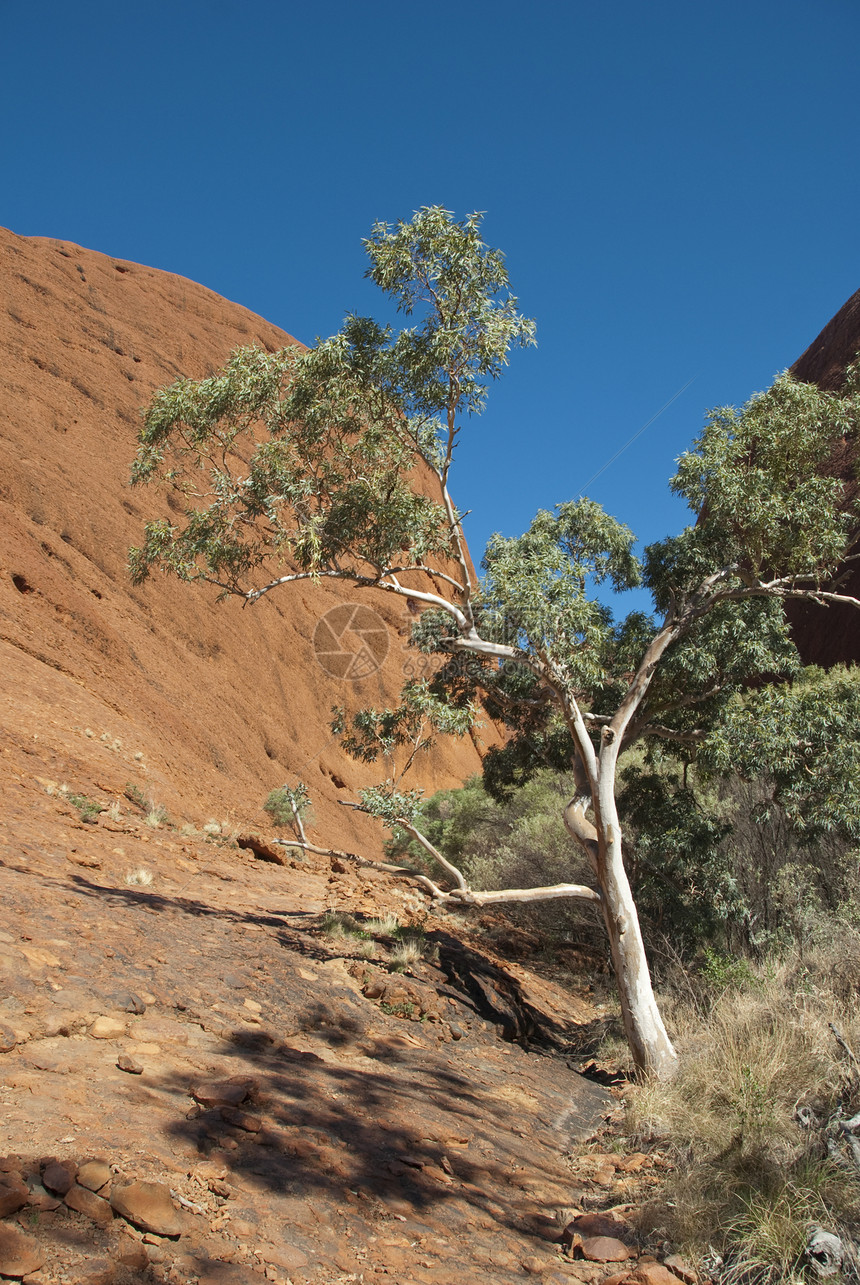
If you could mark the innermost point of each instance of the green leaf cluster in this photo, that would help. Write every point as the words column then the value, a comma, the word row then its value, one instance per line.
column 805, row 737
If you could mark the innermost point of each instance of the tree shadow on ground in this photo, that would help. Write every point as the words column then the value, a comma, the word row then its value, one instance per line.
column 428, row 1131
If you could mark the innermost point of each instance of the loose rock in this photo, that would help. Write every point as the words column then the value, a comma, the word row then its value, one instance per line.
column 8, row 1038
column 605, row 1249
column 107, row 1028
column 223, row 1093
column 241, row 1119
column 148, row 1205
column 19, row 1253
column 125, row 1063
column 59, row 1177
column 88, row 1203
column 14, row 1194
column 597, row 1225
column 94, row 1174
column 681, row 1269
column 652, row 1274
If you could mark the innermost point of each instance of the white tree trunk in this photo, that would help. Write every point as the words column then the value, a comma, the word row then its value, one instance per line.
column 653, row 1052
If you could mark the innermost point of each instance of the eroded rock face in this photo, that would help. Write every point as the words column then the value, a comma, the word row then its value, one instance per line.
column 829, row 635
column 223, row 703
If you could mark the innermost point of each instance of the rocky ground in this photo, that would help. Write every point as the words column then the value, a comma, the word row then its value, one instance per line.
column 198, row 1083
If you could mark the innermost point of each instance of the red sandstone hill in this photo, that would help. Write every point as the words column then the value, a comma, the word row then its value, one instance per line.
column 205, row 707
column 827, row 635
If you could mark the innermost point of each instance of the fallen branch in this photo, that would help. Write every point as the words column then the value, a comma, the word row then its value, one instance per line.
column 463, row 894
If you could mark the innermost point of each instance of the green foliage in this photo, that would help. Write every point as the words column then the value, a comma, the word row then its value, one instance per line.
column 391, row 806
column 677, row 858
column 539, row 585
column 759, row 480
column 805, row 737
column 441, row 268
column 135, row 795
column 287, row 805
column 305, row 464
column 338, row 924
column 308, row 457
column 518, row 841
column 400, row 1008
column 88, row 809
column 413, row 724
column 721, row 971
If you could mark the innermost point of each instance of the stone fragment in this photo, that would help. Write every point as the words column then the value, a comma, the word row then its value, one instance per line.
column 263, row 849
column 241, row 1119
column 14, row 1194
column 11, row 1164
column 8, row 1038
column 148, row 1205
column 134, row 1004
column 130, row 1254
column 58, row 1176
column 605, row 1249
column 107, row 1028
column 223, row 1093
column 598, row 1225
column 534, row 1266
column 94, row 1174
column 683, row 1270
column 617, row 1278
column 88, row 1203
column 98, row 1271
column 41, row 1200
column 128, row 1064
column 652, row 1274
column 38, row 957
column 84, row 859
column 283, row 1255
column 19, row 1253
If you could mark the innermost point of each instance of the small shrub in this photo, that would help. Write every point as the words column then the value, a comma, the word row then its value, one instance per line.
column 724, row 971
column 403, row 1008
column 339, row 924
column 406, row 954
column 141, row 877
column 135, row 795
column 88, row 809
column 387, row 925
column 287, row 806
column 753, row 1114
column 157, row 816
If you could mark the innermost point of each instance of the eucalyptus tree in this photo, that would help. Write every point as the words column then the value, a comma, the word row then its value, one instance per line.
column 335, row 463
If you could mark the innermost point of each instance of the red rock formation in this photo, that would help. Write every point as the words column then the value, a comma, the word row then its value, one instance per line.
column 827, row 635
column 213, row 705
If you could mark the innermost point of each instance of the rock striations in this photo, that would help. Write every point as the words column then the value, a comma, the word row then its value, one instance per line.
column 209, row 703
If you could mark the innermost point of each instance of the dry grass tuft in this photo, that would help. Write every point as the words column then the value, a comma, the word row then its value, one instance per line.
column 141, row 877
column 387, row 925
column 406, row 953
column 753, row 1116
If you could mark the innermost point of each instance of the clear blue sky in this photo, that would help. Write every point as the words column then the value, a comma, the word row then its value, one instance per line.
column 675, row 187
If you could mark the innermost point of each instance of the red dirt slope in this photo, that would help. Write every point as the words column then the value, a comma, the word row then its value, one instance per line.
column 212, row 705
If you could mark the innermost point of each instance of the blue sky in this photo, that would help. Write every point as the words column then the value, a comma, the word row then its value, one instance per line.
column 675, row 187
